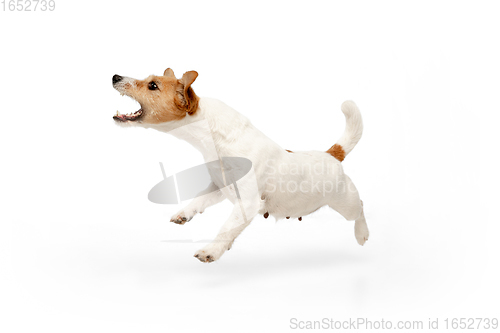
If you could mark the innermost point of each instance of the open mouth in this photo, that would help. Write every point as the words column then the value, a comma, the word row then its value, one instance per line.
column 128, row 117
column 121, row 84
column 132, row 116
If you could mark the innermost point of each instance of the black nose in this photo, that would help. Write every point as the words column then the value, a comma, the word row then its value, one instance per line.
column 117, row 78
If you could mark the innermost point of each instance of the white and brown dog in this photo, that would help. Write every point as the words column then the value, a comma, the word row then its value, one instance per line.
column 281, row 183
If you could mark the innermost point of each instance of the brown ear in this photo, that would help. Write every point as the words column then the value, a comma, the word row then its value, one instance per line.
column 169, row 73
column 188, row 78
column 189, row 100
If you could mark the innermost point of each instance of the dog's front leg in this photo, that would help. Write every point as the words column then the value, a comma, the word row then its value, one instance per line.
column 240, row 218
column 208, row 197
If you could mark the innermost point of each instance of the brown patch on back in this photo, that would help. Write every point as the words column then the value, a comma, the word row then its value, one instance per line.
column 337, row 151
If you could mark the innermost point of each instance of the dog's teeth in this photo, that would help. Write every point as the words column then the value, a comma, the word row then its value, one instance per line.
column 117, row 113
column 122, row 94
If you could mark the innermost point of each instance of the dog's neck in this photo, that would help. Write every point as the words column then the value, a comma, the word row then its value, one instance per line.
column 209, row 128
column 212, row 129
column 196, row 131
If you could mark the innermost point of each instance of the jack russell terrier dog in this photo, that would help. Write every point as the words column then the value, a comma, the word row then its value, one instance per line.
column 280, row 182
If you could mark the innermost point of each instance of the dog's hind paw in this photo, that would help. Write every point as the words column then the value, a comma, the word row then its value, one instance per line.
column 361, row 239
column 361, row 232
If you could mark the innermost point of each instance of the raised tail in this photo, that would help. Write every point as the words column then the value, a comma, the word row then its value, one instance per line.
column 352, row 132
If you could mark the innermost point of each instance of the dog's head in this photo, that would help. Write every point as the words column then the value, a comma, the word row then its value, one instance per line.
column 162, row 98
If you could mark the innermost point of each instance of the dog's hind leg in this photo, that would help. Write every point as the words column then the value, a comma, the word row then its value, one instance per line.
column 350, row 206
column 361, row 228
column 210, row 196
column 352, row 213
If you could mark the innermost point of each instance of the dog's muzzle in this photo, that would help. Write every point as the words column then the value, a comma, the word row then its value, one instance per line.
column 133, row 116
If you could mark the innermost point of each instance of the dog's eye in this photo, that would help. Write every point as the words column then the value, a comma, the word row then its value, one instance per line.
column 152, row 86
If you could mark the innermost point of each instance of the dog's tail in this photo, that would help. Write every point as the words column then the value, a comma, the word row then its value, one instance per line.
column 352, row 132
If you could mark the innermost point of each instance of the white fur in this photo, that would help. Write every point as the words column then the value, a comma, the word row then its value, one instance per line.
column 354, row 126
column 280, row 183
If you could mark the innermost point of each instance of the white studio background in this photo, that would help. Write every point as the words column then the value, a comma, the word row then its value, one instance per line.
column 83, row 250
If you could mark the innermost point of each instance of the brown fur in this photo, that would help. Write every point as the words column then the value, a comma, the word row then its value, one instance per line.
column 337, row 151
column 169, row 73
column 189, row 100
column 289, row 151
column 171, row 101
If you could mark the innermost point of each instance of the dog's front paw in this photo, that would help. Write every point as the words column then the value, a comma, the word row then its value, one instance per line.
column 181, row 217
column 210, row 253
column 204, row 257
